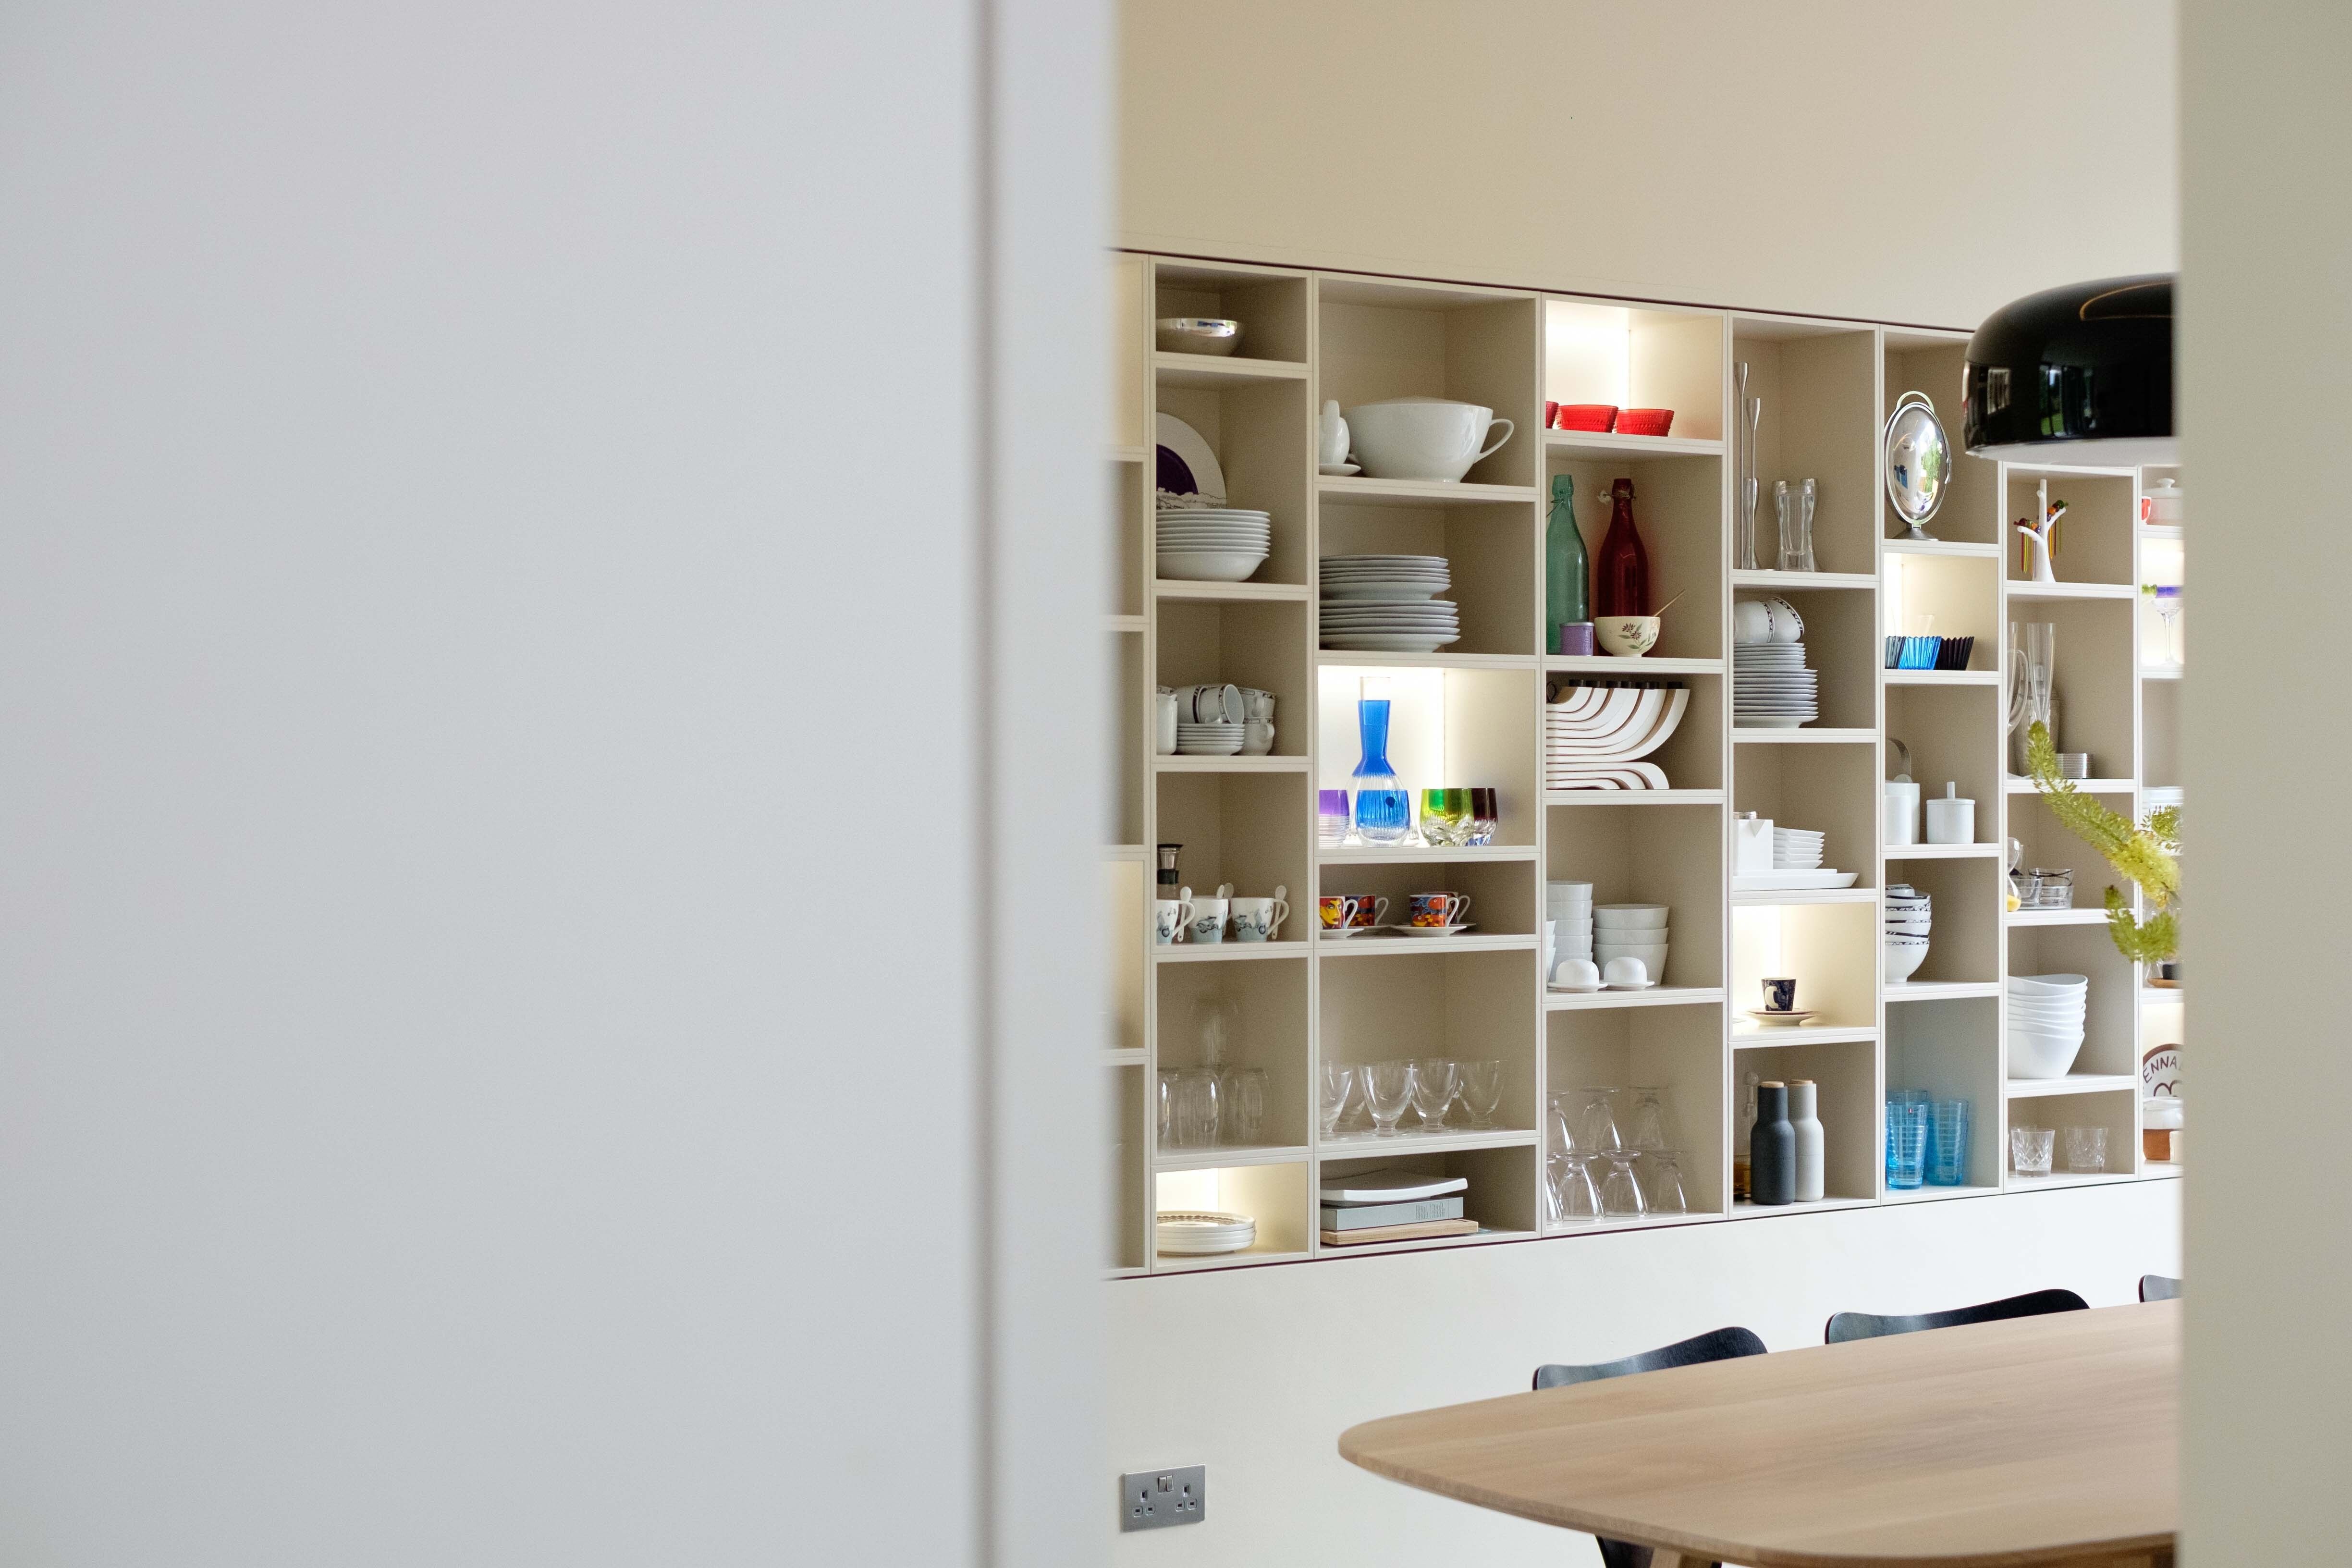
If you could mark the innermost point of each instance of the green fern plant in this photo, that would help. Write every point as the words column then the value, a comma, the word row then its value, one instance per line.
column 2147, row 855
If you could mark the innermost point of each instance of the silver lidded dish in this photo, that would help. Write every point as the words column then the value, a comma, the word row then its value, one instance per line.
column 1918, row 457
column 1198, row 335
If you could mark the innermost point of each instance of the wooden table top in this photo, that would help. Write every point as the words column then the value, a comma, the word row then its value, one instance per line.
column 2036, row 1441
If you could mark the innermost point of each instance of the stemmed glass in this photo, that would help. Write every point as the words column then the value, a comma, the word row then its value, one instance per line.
column 1620, row 1189
column 1666, row 1195
column 1645, row 1124
column 1567, row 1184
column 1241, row 1100
column 1597, row 1122
column 1481, row 1090
column 1338, row 1081
column 1388, row 1087
column 1433, row 1091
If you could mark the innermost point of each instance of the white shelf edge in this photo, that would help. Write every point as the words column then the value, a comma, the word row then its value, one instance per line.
column 2017, row 785
column 1924, row 1193
column 1767, row 1211
column 1943, row 851
column 1423, row 854
column 2071, row 590
column 1132, row 1057
column 1633, row 797
column 2074, row 917
column 1188, row 1263
column 1554, row 1228
column 1486, row 1237
column 1229, row 593
column 1227, row 951
column 1945, row 547
column 1185, row 764
column 1803, row 1034
column 1830, row 736
column 1377, row 946
column 2077, row 1083
column 2161, row 671
column 1364, row 1145
column 1768, row 896
column 1125, row 852
column 1117, row 453
column 2163, row 997
column 1796, row 581
column 2057, row 1179
column 1220, row 370
column 1604, row 664
column 1941, row 990
column 1609, row 444
column 1942, row 677
column 1656, row 996
column 1118, row 623
column 1349, row 657
column 1221, row 1158
column 1356, row 491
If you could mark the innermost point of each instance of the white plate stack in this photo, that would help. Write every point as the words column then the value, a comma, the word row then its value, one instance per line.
column 1213, row 544
column 1568, row 905
column 1910, row 916
column 1631, row 930
column 1771, row 687
column 1388, row 603
column 1196, row 1232
column 2045, row 1022
column 1795, row 850
column 1209, row 739
column 1595, row 732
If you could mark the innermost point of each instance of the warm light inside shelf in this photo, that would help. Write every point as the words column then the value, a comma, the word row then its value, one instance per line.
column 1416, row 728
column 1587, row 352
column 1191, row 1190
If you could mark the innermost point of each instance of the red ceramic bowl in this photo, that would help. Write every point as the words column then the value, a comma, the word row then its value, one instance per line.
column 1644, row 421
column 1588, row 415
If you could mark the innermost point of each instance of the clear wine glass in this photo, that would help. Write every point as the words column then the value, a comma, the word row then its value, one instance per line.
column 1596, row 1123
column 1196, row 1108
column 1388, row 1088
column 1432, row 1089
column 1620, row 1189
column 1240, row 1105
column 1666, row 1194
column 1481, row 1088
column 1338, row 1083
column 1645, row 1124
column 1568, row 1184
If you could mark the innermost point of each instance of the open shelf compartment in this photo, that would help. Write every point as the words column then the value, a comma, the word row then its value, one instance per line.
column 1818, row 385
column 1833, row 790
column 1678, row 511
column 1633, row 356
column 1845, row 1073
column 1931, row 363
column 1670, row 854
column 1447, row 729
column 1830, row 951
column 1676, row 1048
column 1501, row 1196
column 1379, row 340
column 1492, row 552
column 1274, row 1195
column 1952, row 1048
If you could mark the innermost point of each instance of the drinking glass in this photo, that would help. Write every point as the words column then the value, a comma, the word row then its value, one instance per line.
column 1388, row 1088
column 1487, row 816
column 2086, row 1148
column 1166, row 1106
column 1196, row 1108
column 1596, row 1123
column 1645, row 1124
column 1907, row 1144
column 1568, row 1181
column 1217, row 1018
column 1666, row 1194
column 1481, row 1088
column 1620, row 1189
column 1896, row 1097
column 1338, row 1082
column 1446, row 815
column 2030, row 1147
column 1432, row 1089
column 1241, row 1102
column 1948, row 1143
column 1331, row 817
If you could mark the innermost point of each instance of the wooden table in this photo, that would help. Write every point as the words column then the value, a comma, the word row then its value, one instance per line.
column 2036, row 1441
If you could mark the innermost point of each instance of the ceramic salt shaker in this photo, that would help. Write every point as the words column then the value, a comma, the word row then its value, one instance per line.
column 1805, row 1121
column 1773, row 1147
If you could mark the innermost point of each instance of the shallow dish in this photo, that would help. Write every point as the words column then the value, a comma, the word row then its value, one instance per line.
column 1213, row 335
column 1196, row 1232
column 1767, row 1016
column 1210, row 565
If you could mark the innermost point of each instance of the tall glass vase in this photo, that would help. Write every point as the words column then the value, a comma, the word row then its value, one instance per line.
column 2033, row 686
column 1384, row 810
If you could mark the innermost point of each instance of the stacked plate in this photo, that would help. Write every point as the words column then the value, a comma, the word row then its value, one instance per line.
column 1795, row 850
column 1213, row 544
column 2045, row 1022
column 1209, row 739
column 1910, row 916
column 1192, row 1232
column 1631, row 930
column 1771, row 687
column 1567, row 906
column 1388, row 603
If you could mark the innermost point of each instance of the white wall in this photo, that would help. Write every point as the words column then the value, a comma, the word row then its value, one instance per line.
column 1924, row 165
column 491, row 499
column 2265, row 335
column 1808, row 157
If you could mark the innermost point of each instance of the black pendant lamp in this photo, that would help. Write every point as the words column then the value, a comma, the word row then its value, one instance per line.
column 2079, row 374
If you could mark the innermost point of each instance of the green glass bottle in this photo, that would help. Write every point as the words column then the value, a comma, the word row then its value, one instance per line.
column 1566, row 573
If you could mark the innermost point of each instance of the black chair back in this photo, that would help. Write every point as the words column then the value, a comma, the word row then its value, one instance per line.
column 2159, row 1288
column 1719, row 1344
column 1847, row 1326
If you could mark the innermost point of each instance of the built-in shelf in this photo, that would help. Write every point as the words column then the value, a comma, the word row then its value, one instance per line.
column 1374, row 944
column 1133, row 1057
column 1744, row 1038
column 1623, row 1222
column 2088, row 786
column 1940, row 990
column 1940, row 547
column 1744, row 1210
column 2072, row 591
column 1943, row 677
column 1792, row 582
column 1655, row 997
column 1117, row 623
column 1765, row 896
column 1129, row 454
column 2161, row 671
column 2074, row 1083
column 1230, row 951
column 2162, row 996
column 1803, row 736
column 1352, row 658
column 1412, row 1140
column 1422, row 854
column 1485, row 1237
column 1928, row 1194
column 2075, row 917
column 2170, row 531
column 1229, row 593
column 2159, row 1170
column 2057, row 1179
column 1202, row 370
column 1187, row 1263
column 1182, row 765
column 1222, row 1157
column 1359, row 492
column 1125, row 852
column 1633, row 797
column 1602, row 664
column 1943, row 851
column 1609, row 444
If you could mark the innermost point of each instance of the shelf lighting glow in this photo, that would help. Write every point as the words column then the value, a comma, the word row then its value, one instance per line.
column 1587, row 352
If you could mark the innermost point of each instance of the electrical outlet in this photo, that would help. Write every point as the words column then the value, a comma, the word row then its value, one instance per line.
column 1156, row 1499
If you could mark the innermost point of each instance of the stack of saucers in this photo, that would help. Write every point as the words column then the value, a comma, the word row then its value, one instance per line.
column 2045, row 1022
column 1795, row 850
column 1217, row 740
column 1219, row 544
column 1631, row 930
column 1771, row 687
column 1568, row 905
column 1388, row 603
column 1910, row 917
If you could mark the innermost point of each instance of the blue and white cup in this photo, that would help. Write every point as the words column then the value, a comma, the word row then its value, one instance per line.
column 1258, row 920
column 1169, row 917
column 1780, row 995
column 1207, row 921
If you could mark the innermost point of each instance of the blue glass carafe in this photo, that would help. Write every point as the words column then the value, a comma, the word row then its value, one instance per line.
column 1383, row 809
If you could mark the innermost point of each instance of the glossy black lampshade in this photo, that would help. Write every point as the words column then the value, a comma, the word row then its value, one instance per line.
column 2078, row 374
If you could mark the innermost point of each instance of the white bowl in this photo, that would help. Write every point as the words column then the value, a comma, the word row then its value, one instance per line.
column 1210, row 565
column 2035, row 1054
column 2056, row 984
column 1903, row 960
column 1196, row 334
column 1631, row 917
column 1422, row 438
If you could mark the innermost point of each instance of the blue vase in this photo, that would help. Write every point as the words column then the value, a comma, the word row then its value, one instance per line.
column 1384, row 810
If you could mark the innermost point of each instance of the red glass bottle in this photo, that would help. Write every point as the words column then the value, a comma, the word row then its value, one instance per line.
column 1620, row 574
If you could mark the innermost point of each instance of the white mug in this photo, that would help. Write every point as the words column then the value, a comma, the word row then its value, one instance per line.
column 1164, row 736
column 1207, row 921
column 1258, row 707
column 1210, row 704
column 1259, row 919
column 1169, row 917
column 1258, row 738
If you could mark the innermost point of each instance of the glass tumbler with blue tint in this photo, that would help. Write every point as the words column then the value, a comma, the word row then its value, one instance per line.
column 1907, row 1144
column 1896, row 1097
column 1948, row 1143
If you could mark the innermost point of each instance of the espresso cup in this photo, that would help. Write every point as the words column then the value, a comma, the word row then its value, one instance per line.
column 1257, row 919
column 1258, row 707
column 1208, row 704
column 1257, row 738
column 1169, row 917
column 1209, row 918
column 1364, row 910
column 1780, row 995
column 1332, row 909
column 1440, row 908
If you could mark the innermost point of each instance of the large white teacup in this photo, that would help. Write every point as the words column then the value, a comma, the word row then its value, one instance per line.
column 1423, row 437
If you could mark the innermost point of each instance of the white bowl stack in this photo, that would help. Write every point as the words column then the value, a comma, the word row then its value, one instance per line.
column 1568, row 905
column 1213, row 544
column 1795, row 850
column 1631, row 930
column 1771, row 687
column 1388, row 603
column 2045, row 1022
column 1910, row 917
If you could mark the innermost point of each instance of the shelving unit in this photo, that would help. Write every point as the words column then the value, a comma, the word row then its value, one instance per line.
column 1473, row 715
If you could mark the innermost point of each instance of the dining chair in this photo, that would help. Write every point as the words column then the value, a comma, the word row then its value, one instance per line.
column 2159, row 1288
column 1718, row 1344
column 1844, row 1326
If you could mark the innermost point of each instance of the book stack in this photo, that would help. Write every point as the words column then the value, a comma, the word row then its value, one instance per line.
column 1392, row 1206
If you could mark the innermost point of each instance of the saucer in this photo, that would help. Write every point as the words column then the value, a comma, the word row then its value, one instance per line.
column 1621, row 986
column 1339, row 468
column 1343, row 932
column 1573, row 990
column 1434, row 931
column 1766, row 1015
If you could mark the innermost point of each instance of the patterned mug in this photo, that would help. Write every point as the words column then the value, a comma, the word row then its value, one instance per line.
column 1440, row 908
